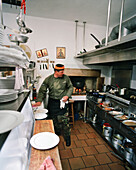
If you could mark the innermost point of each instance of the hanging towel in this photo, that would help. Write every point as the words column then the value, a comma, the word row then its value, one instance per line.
column 19, row 80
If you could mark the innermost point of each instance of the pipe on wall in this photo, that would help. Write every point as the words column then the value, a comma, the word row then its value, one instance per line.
column 108, row 20
column 84, row 35
column 76, row 21
column 121, row 16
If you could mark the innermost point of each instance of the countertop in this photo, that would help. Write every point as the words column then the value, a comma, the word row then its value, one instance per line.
column 38, row 156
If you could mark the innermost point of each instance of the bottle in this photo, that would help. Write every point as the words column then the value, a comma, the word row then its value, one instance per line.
column 34, row 93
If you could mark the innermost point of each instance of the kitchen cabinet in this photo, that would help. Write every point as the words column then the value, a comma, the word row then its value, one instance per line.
column 97, row 116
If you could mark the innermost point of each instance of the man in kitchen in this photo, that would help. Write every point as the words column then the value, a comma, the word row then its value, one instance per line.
column 60, row 89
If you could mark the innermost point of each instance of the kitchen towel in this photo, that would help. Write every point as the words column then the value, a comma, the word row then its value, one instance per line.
column 62, row 103
column 47, row 164
column 19, row 80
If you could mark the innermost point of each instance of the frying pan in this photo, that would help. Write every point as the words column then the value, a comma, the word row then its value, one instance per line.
column 97, row 46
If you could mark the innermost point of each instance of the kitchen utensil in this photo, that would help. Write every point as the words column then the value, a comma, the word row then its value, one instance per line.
column 44, row 140
column 97, row 46
column 40, row 116
column 17, row 38
column 121, row 117
column 108, row 108
column 107, row 129
column 10, row 119
column 116, row 112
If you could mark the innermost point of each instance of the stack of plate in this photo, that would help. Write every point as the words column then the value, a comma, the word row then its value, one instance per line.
column 41, row 114
column 7, row 95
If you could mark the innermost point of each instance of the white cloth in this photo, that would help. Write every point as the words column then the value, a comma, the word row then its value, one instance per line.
column 62, row 103
column 13, row 56
column 19, row 79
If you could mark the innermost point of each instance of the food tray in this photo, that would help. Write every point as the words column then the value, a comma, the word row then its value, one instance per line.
column 129, row 122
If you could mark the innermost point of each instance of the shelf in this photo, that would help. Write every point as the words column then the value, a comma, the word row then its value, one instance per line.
column 115, row 51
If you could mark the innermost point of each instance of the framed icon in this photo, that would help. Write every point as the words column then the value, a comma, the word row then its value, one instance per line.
column 60, row 52
column 41, row 53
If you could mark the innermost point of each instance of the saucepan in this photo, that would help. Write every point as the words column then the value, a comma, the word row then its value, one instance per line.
column 97, row 46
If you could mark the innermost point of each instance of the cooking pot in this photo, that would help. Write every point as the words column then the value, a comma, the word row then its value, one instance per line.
column 107, row 130
column 117, row 143
column 78, row 82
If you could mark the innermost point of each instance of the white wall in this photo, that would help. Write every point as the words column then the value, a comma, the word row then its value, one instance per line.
column 49, row 33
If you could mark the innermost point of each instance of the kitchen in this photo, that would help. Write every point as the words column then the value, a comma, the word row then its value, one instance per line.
column 51, row 33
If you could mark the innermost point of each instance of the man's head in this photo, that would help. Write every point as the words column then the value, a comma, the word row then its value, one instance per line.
column 59, row 70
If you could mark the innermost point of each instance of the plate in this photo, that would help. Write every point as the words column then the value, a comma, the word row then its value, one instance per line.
column 121, row 117
column 44, row 140
column 40, row 116
column 108, row 108
column 129, row 122
column 10, row 119
column 116, row 113
column 43, row 111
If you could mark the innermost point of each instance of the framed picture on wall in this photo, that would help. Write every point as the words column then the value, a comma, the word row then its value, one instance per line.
column 60, row 52
column 41, row 53
column 44, row 52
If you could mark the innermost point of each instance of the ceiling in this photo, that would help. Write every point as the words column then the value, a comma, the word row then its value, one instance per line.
column 91, row 11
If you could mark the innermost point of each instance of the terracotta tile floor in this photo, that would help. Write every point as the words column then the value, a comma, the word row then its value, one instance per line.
column 88, row 151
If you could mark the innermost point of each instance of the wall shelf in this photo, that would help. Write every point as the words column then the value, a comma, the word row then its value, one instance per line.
column 115, row 51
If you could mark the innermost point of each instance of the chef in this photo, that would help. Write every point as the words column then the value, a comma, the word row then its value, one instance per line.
column 60, row 90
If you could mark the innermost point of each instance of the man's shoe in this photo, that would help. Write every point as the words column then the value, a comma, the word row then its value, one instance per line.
column 68, row 141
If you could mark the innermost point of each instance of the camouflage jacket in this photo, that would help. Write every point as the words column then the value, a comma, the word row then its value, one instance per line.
column 58, row 87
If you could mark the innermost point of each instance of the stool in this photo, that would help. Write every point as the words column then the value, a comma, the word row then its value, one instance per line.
column 71, row 112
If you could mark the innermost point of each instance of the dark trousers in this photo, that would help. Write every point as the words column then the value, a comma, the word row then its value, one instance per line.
column 60, row 117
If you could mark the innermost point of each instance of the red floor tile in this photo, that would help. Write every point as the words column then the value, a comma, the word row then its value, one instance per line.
column 78, row 152
column 84, row 130
column 82, row 136
column 101, row 148
column 90, row 150
column 115, row 166
column 91, row 135
column 76, row 163
column 90, row 161
column 102, row 167
column 66, row 154
column 91, row 142
column 74, row 137
column 65, row 164
column 80, row 143
column 103, row 158
column 113, row 158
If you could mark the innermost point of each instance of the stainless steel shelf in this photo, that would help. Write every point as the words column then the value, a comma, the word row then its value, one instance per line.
column 115, row 51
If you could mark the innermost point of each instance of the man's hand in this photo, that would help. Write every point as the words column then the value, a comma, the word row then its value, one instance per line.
column 65, row 98
column 36, row 104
